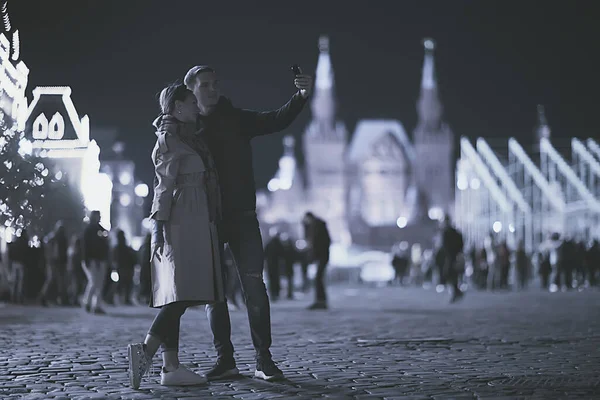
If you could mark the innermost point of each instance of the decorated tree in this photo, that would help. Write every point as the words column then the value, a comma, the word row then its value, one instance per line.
column 30, row 195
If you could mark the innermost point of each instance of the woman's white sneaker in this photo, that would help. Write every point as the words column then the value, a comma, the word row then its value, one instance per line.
column 181, row 377
column 138, row 364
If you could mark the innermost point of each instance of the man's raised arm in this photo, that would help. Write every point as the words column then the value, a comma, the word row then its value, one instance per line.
column 255, row 123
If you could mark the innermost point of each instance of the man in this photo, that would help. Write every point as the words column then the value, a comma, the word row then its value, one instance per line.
column 95, row 262
column 289, row 259
column 318, row 242
column 452, row 243
column 227, row 131
column 19, row 255
column 592, row 262
column 124, row 259
column 400, row 262
column 56, row 268
column 274, row 257
column 522, row 265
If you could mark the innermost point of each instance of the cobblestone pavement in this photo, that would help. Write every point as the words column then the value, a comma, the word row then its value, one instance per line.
column 373, row 343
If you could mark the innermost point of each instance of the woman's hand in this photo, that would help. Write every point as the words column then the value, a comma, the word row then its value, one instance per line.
column 157, row 249
column 157, row 241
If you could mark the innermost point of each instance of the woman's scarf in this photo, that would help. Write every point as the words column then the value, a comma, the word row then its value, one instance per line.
column 187, row 133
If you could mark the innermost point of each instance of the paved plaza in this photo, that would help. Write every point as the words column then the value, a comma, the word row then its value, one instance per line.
column 386, row 343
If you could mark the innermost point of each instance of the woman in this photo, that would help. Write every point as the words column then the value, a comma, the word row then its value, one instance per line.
column 186, row 268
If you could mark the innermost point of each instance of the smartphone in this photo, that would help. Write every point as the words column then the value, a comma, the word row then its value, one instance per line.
column 296, row 69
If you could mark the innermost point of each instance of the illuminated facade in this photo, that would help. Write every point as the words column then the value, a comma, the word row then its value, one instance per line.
column 379, row 187
column 53, row 126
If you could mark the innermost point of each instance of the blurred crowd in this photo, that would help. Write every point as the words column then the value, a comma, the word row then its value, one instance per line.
column 98, row 268
column 560, row 263
column 67, row 269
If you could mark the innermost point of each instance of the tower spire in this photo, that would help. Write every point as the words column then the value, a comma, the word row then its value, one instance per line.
column 324, row 79
column 543, row 129
column 429, row 107
column 323, row 104
column 428, row 78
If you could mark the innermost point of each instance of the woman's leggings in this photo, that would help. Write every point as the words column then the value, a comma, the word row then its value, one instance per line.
column 166, row 324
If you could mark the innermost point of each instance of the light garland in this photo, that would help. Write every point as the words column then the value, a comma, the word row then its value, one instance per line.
column 5, row 17
column 16, row 46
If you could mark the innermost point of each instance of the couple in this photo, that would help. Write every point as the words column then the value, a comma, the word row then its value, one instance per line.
column 204, row 197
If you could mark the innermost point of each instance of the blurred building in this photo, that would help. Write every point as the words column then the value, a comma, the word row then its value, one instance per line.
column 53, row 128
column 128, row 196
column 56, row 131
column 377, row 188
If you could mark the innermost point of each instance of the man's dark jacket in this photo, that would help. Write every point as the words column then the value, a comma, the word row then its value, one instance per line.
column 317, row 236
column 95, row 244
column 227, row 133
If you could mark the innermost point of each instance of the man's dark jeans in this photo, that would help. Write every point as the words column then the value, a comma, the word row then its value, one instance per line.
column 451, row 273
column 320, row 293
column 245, row 242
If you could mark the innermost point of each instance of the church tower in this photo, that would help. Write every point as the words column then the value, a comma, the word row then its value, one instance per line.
column 434, row 143
column 325, row 142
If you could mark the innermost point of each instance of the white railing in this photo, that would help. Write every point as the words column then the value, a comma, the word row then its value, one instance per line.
column 582, row 152
column 482, row 171
column 541, row 182
column 594, row 147
column 571, row 176
column 501, row 173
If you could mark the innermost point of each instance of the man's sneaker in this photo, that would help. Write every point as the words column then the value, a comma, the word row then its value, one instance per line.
column 456, row 296
column 267, row 370
column 182, row 376
column 139, row 364
column 222, row 369
column 319, row 305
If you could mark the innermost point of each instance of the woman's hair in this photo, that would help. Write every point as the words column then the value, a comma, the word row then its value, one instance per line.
column 169, row 95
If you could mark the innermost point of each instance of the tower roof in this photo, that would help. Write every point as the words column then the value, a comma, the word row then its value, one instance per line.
column 55, row 104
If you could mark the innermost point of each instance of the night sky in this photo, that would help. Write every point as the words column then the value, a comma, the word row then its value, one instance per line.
column 495, row 60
